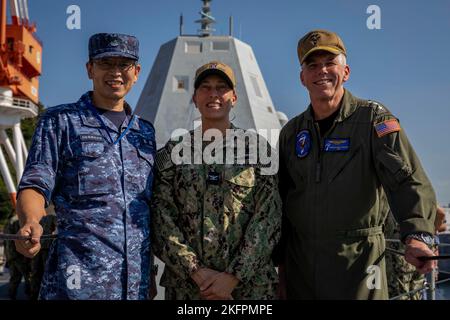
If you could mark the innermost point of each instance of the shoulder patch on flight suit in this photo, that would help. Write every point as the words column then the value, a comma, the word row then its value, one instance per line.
column 386, row 127
column 163, row 160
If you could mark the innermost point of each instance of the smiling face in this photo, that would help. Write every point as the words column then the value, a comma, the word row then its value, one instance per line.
column 112, row 79
column 324, row 74
column 214, row 99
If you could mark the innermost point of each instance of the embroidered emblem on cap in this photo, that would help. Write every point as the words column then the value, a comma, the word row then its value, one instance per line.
column 314, row 38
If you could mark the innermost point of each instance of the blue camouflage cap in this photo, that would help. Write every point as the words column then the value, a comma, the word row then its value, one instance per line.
column 104, row 45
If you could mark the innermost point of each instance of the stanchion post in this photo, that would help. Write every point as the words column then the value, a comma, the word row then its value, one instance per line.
column 432, row 285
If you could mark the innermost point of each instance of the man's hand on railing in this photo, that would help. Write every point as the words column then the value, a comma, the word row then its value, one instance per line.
column 414, row 250
column 29, row 248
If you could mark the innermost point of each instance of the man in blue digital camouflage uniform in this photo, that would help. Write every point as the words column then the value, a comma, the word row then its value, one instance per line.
column 94, row 160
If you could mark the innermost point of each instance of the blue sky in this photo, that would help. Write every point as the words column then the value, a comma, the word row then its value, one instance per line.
column 405, row 65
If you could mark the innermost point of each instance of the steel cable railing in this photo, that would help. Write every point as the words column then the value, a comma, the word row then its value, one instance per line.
column 430, row 285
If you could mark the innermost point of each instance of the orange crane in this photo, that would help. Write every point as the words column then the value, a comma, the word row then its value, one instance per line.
column 20, row 52
column 20, row 68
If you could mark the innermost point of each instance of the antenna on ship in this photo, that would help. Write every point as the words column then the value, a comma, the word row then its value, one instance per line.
column 181, row 25
column 206, row 20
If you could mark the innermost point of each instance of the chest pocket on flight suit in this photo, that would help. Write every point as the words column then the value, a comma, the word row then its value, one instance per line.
column 345, row 164
column 396, row 169
column 238, row 197
column 96, row 174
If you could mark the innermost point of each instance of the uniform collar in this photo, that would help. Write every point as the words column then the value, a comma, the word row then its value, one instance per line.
column 232, row 127
column 187, row 139
column 136, row 124
column 348, row 106
column 89, row 118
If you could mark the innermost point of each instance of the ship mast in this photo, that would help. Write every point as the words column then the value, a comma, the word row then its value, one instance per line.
column 206, row 20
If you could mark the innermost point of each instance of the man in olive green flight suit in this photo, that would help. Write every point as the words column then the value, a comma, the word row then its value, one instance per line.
column 337, row 161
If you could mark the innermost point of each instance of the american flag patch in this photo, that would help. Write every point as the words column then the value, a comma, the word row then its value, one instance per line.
column 386, row 127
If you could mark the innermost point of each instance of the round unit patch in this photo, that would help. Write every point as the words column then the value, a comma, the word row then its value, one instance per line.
column 303, row 143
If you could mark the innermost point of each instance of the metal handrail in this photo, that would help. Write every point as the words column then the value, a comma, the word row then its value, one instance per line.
column 18, row 102
column 427, row 286
column 410, row 293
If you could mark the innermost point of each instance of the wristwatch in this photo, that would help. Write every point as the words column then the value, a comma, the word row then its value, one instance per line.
column 424, row 237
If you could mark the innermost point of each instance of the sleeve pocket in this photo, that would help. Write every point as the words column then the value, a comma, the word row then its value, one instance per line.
column 397, row 170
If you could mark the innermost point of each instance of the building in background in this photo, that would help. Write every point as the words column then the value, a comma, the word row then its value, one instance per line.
column 166, row 99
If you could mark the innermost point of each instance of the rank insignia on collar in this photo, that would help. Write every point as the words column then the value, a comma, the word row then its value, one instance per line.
column 214, row 177
column 303, row 143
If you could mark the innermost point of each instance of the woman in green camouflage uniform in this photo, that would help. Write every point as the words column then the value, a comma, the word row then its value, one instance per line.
column 215, row 225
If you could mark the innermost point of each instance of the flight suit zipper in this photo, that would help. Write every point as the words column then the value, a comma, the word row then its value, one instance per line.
column 316, row 187
column 318, row 171
column 320, row 141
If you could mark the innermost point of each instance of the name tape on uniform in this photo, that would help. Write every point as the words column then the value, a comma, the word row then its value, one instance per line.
column 337, row 145
column 91, row 138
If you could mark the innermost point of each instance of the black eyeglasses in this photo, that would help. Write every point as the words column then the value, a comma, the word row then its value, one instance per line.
column 109, row 65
